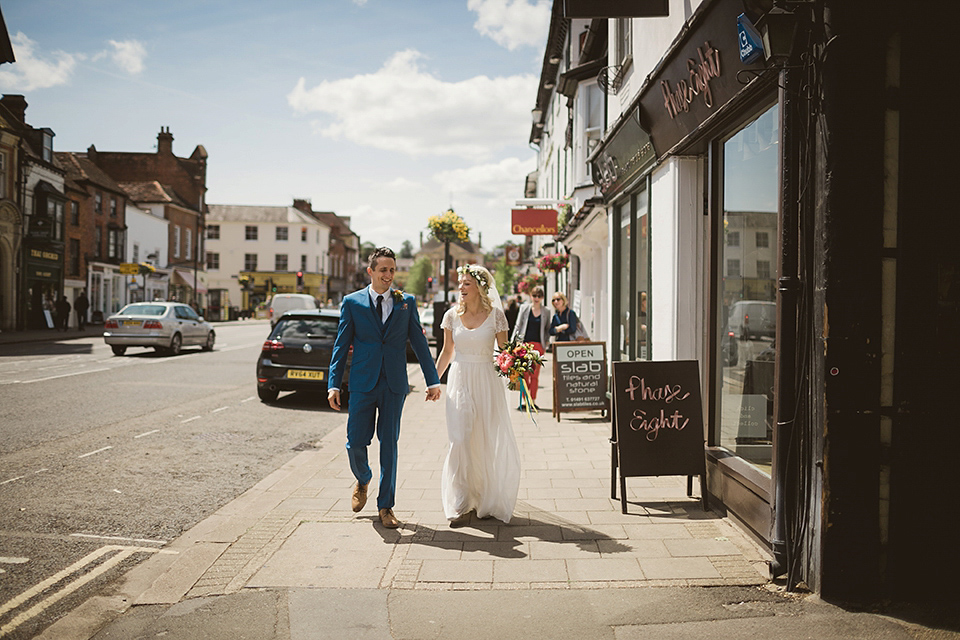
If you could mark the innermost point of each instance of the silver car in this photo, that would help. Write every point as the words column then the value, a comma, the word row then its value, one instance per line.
column 165, row 326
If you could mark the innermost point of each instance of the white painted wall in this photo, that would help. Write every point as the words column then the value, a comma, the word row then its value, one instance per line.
column 677, row 260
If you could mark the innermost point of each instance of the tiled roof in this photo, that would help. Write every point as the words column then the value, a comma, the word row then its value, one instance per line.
column 259, row 214
column 79, row 168
column 152, row 192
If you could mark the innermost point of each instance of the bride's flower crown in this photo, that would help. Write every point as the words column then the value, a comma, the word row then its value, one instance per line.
column 478, row 275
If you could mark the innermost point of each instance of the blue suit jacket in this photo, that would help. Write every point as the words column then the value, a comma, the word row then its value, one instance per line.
column 376, row 346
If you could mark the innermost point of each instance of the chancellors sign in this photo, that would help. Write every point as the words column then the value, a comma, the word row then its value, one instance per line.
column 534, row 222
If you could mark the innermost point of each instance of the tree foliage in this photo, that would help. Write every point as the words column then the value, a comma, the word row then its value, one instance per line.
column 419, row 272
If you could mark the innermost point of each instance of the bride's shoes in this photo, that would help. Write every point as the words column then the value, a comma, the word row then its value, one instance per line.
column 461, row 520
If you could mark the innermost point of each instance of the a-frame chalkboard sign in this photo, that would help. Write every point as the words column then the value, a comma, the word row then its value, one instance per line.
column 658, row 422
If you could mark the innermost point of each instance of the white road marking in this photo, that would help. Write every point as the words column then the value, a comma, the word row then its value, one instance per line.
column 189, row 419
column 65, row 375
column 146, row 433
column 43, row 605
column 248, row 399
column 220, row 409
column 117, row 538
column 94, row 452
column 12, row 480
column 9, row 560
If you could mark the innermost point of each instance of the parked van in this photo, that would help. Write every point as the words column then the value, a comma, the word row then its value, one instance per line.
column 283, row 302
column 752, row 319
column 748, row 320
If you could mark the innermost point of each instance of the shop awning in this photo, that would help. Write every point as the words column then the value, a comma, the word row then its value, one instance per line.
column 184, row 278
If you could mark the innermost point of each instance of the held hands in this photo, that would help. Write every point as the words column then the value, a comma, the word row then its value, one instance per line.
column 563, row 327
column 333, row 397
column 433, row 394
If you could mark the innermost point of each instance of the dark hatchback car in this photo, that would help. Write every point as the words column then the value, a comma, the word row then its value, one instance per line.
column 296, row 355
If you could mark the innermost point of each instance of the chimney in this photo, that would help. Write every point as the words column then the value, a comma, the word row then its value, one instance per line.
column 302, row 204
column 165, row 141
column 16, row 104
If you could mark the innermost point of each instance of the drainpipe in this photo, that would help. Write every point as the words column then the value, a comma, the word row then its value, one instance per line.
column 785, row 471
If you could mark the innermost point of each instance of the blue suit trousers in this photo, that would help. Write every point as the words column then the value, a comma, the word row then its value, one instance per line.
column 378, row 409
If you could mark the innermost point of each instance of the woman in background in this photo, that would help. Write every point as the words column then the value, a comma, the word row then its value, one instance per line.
column 533, row 326
column 565, row 321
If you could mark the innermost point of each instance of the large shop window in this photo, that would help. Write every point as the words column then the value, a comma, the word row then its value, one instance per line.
column 632, row 260
column 747, row 290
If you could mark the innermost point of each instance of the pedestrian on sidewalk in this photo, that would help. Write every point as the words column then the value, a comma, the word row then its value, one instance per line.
column 377, row 321
column 565, row 321
column 533, row 326
column 63, row 313
column 80, row 305
column 481, row 472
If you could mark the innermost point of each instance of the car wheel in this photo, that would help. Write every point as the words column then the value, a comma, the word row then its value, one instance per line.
column 211, row 338
column 118, row 350
column 175, row 344
column 267, row 395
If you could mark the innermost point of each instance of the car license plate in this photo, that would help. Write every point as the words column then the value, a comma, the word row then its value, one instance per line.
column 132, row 323
column 305, row 375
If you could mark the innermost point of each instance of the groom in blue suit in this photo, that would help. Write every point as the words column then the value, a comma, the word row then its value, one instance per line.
column 377, row 321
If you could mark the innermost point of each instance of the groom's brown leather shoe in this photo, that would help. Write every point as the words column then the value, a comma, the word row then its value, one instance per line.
column 388, row 520
column 359, row 496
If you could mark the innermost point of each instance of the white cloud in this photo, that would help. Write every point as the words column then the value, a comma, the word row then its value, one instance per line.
column 359, row 3
column 31, row 72
column 128, row 55
column 512, row 23
column 402, row 183
column 403, row 108
column 492, row 183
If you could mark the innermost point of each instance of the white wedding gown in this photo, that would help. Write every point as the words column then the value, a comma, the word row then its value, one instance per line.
column 482, row 469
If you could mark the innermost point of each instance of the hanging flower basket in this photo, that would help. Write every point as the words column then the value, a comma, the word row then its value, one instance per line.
column 448, row 227
column 553, row 262
column 528, row 282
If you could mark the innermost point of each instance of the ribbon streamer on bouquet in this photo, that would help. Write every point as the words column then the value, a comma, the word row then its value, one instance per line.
column 525, row 396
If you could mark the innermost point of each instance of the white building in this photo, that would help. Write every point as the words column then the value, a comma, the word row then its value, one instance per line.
column 266, row 246
column 147, row 234
column 568, row 123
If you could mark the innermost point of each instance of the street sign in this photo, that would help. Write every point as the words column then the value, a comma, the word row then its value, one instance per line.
column 751, row 43
column 129, row 268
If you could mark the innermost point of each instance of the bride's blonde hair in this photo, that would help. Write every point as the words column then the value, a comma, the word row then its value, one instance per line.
column 483, row 279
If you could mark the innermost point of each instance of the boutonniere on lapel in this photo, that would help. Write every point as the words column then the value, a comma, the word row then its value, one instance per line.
column 398, row 297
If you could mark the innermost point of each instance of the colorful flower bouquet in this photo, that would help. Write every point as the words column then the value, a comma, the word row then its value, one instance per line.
column 514, row 361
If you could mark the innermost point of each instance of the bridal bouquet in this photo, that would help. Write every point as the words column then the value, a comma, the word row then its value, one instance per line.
column 515, row 360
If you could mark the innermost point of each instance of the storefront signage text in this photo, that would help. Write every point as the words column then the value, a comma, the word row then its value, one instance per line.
column 534, row 222
column 44, row 255
column 701, row 72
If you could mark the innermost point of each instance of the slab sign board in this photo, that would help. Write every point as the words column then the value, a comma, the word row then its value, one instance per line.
column 579, row 376
column 658, row 421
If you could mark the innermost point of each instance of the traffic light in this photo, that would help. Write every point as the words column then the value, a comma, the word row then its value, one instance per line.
column 430, row 282
column 299, row 280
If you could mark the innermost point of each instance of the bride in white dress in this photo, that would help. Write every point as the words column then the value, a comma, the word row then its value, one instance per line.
column 482, row 470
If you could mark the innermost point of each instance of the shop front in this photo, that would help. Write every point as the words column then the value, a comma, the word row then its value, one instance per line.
column 43, row 275
column 690, row 173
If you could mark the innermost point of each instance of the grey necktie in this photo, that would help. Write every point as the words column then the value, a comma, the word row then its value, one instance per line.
column 380, row 308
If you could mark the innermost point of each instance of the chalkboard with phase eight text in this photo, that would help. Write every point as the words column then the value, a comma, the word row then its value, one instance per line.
column 658, row 421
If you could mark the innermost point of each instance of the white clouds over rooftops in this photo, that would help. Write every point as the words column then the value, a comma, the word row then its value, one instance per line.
column 34, row 70
column 31, row 72
column 403, row 108
column 512, row 23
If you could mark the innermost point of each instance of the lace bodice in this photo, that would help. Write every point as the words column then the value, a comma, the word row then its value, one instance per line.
column 479, row 341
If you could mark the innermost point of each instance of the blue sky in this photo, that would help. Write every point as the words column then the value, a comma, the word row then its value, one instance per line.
column 387, row 111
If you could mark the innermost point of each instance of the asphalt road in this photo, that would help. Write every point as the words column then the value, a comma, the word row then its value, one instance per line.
column 103, row 459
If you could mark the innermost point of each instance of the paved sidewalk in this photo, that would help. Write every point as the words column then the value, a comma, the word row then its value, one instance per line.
column 289, row 559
